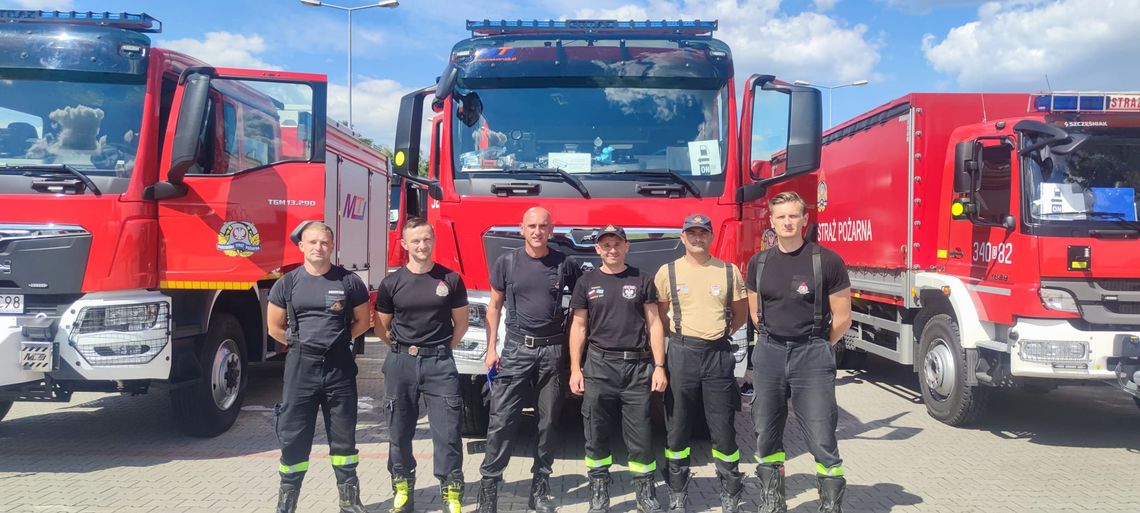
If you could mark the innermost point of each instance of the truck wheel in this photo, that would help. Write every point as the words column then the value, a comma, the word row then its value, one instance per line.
column 943, row 375
column 209, row 406
column 5, row 406
column 476, row 405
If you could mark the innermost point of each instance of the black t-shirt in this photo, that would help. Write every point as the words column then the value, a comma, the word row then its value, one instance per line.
column 321, row 303
column 421, row 304
column 615, row 307
column 787, row 299
column 537, row 299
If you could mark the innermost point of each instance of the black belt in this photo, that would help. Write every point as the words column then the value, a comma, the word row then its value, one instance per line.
column 720, row 344
column 410, row 350
column 783, row 341
column 532, row 341
column 622, row 355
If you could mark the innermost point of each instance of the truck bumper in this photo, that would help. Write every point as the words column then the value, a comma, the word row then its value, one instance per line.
column 470, row 354
column 1052, row 348
column 100, row 337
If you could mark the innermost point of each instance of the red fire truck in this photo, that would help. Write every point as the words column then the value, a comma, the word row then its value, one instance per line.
column 148, row 204
column 991, row 239
column 632, row 123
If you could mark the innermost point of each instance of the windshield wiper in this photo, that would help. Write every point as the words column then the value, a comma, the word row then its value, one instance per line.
column 673, row 175
column 569, row 178
column 46, row 170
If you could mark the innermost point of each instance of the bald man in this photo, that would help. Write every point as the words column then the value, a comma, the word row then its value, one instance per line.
column 530, row 281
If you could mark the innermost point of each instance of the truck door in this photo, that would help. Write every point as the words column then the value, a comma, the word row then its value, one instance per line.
column 982, row 243
column 243, row 164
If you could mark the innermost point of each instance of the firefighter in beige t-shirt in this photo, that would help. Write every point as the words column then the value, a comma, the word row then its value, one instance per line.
column 703, row 302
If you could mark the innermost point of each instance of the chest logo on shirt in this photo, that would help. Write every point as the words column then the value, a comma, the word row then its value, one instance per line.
column 715, row 290
column 441, row 289
column 595, row 292
column 628, row 291
column 682, row 289
column 803, row 288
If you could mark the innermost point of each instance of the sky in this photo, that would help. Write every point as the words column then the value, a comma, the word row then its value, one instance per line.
column 898, row 46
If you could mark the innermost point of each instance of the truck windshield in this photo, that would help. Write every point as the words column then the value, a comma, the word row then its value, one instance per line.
column 598, row 134
column 79, row 120
column 1099, row 181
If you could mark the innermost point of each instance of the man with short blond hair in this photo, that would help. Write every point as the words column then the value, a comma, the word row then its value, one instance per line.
column 799, row 296
column 317, row 310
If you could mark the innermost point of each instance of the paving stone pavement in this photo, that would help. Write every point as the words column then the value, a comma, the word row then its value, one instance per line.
column 1073, row 449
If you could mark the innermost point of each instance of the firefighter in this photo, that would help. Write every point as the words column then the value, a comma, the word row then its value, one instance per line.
column 616, row 316
column 702, row 299
column 421, row 313
column 316, row 310
column 530, row 281
column 800, row 297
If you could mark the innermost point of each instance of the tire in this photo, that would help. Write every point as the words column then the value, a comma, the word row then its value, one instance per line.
column 848, row 358
column 209, row 406
column 943, row 375
column 5, row 407
column 476, row 397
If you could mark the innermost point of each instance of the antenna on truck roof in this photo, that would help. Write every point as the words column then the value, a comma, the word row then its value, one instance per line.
column 984, row 117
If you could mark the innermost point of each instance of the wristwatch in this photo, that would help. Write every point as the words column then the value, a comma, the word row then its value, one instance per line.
column 659, row 365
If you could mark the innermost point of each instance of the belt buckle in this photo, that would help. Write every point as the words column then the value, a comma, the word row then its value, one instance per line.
column 628, row 355
column 528, row 341
column 413, row 350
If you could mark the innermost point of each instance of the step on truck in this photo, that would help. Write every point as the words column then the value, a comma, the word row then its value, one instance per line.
column 148, row 203
column 991, row 239
column 626, row 122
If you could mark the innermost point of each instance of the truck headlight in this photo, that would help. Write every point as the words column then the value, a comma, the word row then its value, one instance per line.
column 1058, row 299
column 125, row 318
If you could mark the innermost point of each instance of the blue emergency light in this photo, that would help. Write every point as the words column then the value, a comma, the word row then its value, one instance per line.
column 691, row 28
column 136, row 22
column 1085, row 102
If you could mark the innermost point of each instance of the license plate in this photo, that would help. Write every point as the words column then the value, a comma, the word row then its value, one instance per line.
column 11, row 303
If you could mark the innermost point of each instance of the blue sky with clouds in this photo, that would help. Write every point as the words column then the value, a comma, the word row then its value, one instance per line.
column 900, row 46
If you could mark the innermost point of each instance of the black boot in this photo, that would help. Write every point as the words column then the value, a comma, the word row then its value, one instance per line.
column 540, row 499
column 731, row 493
column 452, row 494
column 831, row 494
column 488, row 495
column 350, row 496
column 600, row 494
column 646, row 495
column 678, row 482
column 772, row 494
column 403, row 494
column 287, row 499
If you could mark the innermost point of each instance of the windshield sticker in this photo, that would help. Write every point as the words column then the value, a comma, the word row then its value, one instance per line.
column 1061, row 198
column 505, row 53
column 704, row 157
column 570, row 162
column 239, row 238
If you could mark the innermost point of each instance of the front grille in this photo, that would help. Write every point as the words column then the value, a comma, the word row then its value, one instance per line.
column 1119, row 285
column 1122, row 308
column 649, row 248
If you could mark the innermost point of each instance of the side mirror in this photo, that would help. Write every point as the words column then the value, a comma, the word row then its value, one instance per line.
column 444, row 86
column 409, row 127
column 188, row 133
column 751, row 192
column 1008, row 222
column 805, row 126
column 965, row 165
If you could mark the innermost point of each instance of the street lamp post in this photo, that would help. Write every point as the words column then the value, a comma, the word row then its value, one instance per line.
column 830, row 92
column 350, row 10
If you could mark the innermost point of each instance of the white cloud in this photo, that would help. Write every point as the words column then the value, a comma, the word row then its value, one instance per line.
column 46, row 5
column 808, row 46
column 375, row 106
column 224, row 49
column 919, row 7
column 1014, row 45
column 824, row 5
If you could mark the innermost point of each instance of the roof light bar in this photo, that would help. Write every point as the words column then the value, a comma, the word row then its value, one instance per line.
column 690, row 28
column 1085, row 102
column 136, row 22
